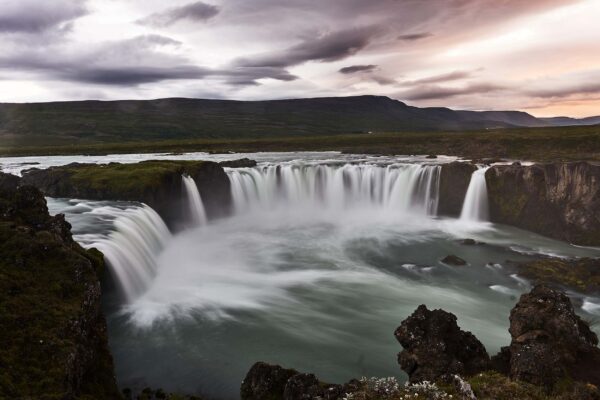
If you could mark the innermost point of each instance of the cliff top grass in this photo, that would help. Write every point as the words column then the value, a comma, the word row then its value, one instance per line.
column 536, row 144
column 129, row 180
column 128, row 177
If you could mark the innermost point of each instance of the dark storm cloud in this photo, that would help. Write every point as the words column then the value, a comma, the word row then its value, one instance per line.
column 442, row 92
column 331, row 46
column 411, row 37
column 357, row 68
column 566, row 91
column 28, row 16
column 133, row 75
column 129, row 62
column 197, row 12
column 132, row 62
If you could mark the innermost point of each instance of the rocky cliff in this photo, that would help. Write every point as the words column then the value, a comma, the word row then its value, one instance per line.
column 53, row 332
column 454, row 182
column 156, row 183
column 558, row 200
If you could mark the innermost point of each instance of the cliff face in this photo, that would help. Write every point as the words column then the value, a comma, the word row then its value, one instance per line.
column 557, row 200
column 454, row 182
column 53, row 332
column 156, row 183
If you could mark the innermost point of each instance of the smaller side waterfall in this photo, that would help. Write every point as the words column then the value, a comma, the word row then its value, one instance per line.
column 131, row 250
column 197, row 213
column 475, row 206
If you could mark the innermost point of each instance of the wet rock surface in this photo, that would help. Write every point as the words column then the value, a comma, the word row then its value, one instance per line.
column 453, row 260
column 454, row 182
column 435, row 346
column 560, row 200
column 53, row 333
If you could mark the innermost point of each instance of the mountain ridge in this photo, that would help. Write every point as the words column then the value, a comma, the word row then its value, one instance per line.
column 184, row 118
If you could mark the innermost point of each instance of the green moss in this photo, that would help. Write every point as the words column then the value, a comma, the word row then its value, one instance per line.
column 128, row 178
column 582, row 275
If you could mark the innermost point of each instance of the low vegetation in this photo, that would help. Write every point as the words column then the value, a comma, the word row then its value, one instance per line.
column 539, row 144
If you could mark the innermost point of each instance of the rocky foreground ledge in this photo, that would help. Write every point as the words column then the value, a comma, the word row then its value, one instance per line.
column 553, row 354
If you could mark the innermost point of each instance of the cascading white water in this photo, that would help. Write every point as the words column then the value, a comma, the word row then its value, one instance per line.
column 401, row 187
column 475, row 206
column 132, row 248
column 197, row 213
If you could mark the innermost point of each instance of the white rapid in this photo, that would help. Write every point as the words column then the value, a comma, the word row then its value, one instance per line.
column 475, row 206
column 399, row 187
column 132, row 248
column 197, row 213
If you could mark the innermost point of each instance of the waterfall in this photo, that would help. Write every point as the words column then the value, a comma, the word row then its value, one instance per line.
column 132, row 248
column 404, row 187
column 475, row 206
column 197, row 214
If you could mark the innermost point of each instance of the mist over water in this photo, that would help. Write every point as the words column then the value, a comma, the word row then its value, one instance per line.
column 317, row 266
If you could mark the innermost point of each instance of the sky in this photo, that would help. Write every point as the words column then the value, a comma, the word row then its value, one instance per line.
column 539, row 56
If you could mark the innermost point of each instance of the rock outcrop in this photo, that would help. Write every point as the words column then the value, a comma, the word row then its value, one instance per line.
column 53, row 332
column 435, row 346
column 580, row 274
column 558, row 200
column 156, row 183
column 454, row 182
column 239, row 163
column 270, row 382
column 550, row 342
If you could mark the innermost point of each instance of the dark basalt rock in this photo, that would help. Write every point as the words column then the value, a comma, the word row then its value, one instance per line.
column 434, row 346
column 454, row 182
column 550, row 342
column 53, row 332
column 272, row 382
column 265, row 382
column 241, row 163
column 559, row 200
column 453, row 260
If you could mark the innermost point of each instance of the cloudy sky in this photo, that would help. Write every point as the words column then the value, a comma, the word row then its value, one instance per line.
column 540, row 56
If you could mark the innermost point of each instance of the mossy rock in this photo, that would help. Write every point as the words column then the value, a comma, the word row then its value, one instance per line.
column 582, row 275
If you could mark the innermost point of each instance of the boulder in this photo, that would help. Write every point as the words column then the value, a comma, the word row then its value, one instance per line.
column 453, row 260
column 550, row 342
column 265, row 381
column 434, row 347
column 272, row 382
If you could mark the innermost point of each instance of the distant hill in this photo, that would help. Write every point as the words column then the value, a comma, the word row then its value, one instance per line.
column 568, row 121
column 181, row 118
